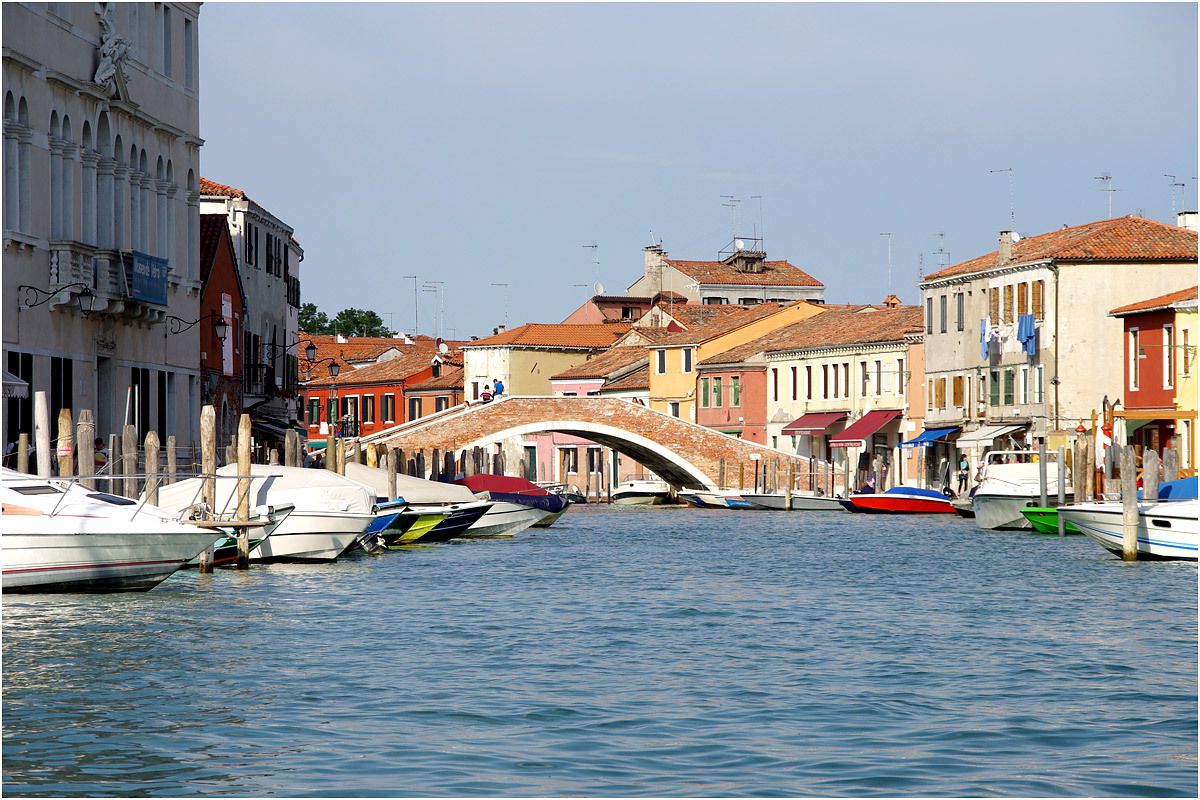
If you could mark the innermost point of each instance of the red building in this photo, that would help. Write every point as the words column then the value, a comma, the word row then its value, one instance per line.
column 373, row 397
column 732, row 393
column 1160, row 402
column 222, row 300
column 439, row 393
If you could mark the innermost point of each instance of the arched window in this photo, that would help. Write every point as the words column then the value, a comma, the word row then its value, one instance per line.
column 144, row 202
column 89, row 159
column 12, row 174
column 193, row 227
column 68, row 180
column 25, row 154
column 104, row 182
column 56, row 165
column 160, row 211
column 118, row 193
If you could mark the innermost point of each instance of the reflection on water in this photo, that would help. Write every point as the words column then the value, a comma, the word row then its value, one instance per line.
column 624, row 652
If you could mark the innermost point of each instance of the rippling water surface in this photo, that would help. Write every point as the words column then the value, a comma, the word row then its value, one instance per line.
column 625, row 652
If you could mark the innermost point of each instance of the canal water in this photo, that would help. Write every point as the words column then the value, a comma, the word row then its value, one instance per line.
column 663, row 652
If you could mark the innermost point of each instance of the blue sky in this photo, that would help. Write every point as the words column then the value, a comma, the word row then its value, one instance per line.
column 485, row 144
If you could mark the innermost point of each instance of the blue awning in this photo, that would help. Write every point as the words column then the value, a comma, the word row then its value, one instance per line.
column 929, row 436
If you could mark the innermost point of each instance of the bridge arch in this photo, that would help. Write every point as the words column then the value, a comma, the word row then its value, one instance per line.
column 662, row 461
column 687, row 455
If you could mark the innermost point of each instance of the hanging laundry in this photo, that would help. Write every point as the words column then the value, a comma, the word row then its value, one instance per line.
column 1027, row 333
column 986, row 334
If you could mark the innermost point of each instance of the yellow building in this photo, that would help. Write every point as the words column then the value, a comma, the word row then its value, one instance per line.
column 673, row 359
column 525, row 357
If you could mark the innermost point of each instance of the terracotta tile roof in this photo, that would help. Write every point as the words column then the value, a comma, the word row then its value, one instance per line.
column 1156, row 303
column 360, row 350
column 389, row 371
column 640, row 334
column 842, row 325
column 1124, row 239
column 450, row 379
column 775, row 273
column 209, row 187
column 638, row 379
column 567, row 337
column 720, row 325
column 692, row 314
column 601, row 365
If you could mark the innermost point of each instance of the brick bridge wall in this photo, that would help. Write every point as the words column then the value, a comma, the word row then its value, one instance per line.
column 685, row 454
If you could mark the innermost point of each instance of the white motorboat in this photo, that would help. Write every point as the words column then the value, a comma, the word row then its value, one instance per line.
column 502, row 519
column 330, row 512
column 1010, row 482
column 801, row 501
column 641, row 493
column 62, row 537
column 1168, row 530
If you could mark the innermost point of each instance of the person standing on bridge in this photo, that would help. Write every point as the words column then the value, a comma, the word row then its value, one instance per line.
column 497, row 388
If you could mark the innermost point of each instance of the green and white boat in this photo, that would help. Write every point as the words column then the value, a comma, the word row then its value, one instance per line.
column 1045, row 520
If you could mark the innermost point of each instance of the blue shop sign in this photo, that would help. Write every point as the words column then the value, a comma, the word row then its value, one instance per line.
column 149, row 279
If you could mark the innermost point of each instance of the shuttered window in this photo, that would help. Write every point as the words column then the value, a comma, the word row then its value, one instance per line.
column 994, row 388
column 994, row 304
column 929, row 395
column 929, row 315
column 1022, row 299
column 939, row 398
column 1039, row 299
column 704, row 392
column 957, row 391
column 1008, row 303
column 1008, row 386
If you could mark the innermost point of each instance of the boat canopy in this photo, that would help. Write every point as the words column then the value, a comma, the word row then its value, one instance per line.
column 414, row 490
column 307, row 489
column 813, row 423
column 983, row 437
column 930, row 436
column 857, row 433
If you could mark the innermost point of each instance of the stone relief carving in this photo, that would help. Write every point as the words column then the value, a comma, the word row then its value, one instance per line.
column 114, row 49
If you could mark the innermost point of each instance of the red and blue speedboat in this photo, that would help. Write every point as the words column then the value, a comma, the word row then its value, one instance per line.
column 899, row 500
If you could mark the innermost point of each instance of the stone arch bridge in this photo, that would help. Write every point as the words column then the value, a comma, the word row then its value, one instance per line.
column 686, row 455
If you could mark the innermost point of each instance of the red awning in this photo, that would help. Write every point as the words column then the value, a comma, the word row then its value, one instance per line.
column 856, row 434
column 813, row 423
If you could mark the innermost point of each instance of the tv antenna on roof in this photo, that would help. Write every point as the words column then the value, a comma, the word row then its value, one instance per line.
column 1181, row 185
column 595, row 248
column 941, row 250
column 760, row 230
column 734, row 206
column 1012, row 206
column 1106, row 179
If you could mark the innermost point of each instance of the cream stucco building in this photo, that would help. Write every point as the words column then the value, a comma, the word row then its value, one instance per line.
column 101, row 212
column 1019, row 346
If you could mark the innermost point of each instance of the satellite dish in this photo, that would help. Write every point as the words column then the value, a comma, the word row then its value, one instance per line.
column 443, row 348
column 1016, row 237
column 739, row 244
column 599, row 287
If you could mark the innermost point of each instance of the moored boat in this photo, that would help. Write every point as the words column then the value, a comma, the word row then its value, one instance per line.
column 501, row 519
column 801, row 501
column 330, row 509
column 1045, row 520
column 1011, row 481
column 1165, row 530
column 638, row 492
column 899, row 500
column 519, row 492
column 62, row 537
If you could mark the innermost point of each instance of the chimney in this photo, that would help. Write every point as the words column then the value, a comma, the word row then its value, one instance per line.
column 1187, row 219
column 654, row 256
column 341, row 339
column 1005, row 254
column 891, row 301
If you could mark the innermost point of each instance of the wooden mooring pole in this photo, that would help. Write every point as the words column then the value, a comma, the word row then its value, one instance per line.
column 129, row 455
column 243, row 490
column 208, row 468
column 152, row 468
column 41, row 434
column 85, row 438
column 1129, row 505
column 65, row 449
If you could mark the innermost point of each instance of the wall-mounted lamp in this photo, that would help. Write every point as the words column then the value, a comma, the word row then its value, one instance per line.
column 32, row 297
column 179, row 325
